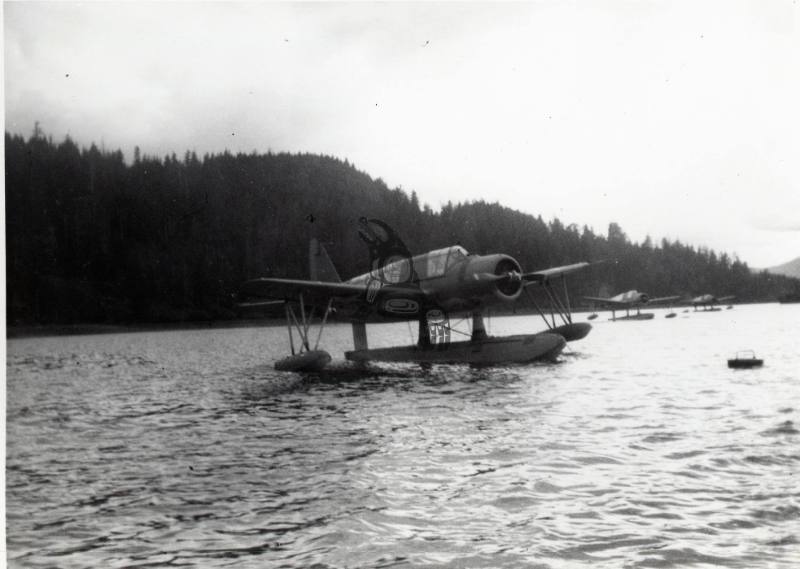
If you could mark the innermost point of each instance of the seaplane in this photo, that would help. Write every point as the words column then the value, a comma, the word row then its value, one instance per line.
column 709, row 302
column 426, row 288
column 630, row 300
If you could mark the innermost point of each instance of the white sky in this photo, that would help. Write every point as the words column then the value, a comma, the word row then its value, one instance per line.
column 674, row 119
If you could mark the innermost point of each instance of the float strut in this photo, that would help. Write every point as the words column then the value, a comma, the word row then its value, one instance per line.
column 478, row 328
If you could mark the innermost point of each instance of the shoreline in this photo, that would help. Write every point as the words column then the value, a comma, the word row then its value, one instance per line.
column 45, row 330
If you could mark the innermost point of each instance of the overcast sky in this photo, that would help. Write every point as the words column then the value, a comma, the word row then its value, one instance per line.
column 674, row 119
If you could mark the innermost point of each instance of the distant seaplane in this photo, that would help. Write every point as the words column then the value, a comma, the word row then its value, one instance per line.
column 709, row 302
column 628, row 301
column 426, row 288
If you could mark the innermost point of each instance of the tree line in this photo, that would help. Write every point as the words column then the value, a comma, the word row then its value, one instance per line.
column 93, row 239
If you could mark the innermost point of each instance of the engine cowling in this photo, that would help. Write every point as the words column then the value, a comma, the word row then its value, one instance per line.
column 484, row 279
column 493, row 278
column 510, row 286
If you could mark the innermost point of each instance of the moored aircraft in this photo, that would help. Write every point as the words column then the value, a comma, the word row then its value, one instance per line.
column 709, row 302
column 629, row 300
column 427, row 288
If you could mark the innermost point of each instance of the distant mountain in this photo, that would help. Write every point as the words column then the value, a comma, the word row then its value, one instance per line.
column 790, row 269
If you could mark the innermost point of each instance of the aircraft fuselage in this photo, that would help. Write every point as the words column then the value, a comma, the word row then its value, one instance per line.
column 632, row 297
column 449, row 279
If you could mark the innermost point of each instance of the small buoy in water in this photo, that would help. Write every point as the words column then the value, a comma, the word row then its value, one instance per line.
column 311, row 360
column 745, row 360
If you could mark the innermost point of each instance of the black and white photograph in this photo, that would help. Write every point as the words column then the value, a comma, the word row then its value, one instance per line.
column 414, row 285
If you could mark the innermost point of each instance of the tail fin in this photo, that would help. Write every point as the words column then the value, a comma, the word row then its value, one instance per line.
column 320, row 265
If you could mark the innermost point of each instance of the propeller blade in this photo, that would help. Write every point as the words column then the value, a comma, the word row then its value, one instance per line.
column 512, row 276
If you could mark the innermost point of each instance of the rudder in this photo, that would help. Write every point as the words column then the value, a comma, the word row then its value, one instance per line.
column 320, row 266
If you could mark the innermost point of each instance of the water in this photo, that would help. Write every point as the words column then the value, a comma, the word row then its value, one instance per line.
column 184, row 448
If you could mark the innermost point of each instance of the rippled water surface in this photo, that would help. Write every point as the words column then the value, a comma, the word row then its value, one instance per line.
column 640, row 448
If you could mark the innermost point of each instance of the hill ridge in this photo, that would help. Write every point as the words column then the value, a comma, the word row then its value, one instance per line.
column 92, row 239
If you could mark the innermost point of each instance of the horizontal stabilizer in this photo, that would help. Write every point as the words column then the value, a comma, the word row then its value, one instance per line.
column 314, row 292
column 273, row 308
column 261, row 304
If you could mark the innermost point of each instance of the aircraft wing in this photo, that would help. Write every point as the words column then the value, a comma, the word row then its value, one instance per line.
column 663, row 299
column 314, row 292
column 545, row 275
column 725, row 298
column 609, row 301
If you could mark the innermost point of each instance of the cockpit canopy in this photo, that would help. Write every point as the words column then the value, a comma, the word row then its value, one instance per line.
column 436, row 263
column 426, row 266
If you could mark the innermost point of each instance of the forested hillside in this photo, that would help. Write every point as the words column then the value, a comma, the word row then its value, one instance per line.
column 91, row 239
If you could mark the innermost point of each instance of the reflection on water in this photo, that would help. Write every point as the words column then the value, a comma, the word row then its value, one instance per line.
column 639, row 449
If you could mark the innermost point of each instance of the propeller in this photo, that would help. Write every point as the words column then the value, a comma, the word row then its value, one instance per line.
column 510, row 276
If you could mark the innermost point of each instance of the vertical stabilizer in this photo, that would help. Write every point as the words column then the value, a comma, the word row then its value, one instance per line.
column 320, row 265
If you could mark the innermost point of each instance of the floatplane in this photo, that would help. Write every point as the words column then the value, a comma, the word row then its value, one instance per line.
column 709, row 302
column 630, row 300
column 426, row 288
